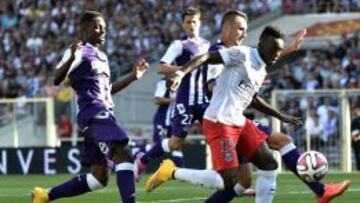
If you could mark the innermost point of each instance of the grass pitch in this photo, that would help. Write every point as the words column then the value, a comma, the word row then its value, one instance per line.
column 16, row 189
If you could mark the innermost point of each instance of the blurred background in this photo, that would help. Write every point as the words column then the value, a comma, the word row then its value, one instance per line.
column 319, row 83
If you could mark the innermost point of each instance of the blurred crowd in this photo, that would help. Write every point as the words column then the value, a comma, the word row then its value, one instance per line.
column 335, row 67
column 319, row 6
column 33, row 34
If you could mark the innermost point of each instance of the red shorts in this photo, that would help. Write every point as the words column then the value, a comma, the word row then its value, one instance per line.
column 227, row 142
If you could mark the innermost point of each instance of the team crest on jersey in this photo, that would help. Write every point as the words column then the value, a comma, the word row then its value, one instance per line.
column 100, row 67
column 228, row 157
column 103, row 147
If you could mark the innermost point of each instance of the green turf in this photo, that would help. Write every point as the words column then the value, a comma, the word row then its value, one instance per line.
column 16, row 189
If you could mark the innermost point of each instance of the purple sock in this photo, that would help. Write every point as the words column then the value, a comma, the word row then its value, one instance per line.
column 153, row 153
column 290, row 160
column 125, row 181
column 76, row 186
column 221, row 196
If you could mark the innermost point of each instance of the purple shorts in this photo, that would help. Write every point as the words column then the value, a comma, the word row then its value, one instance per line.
column 184, row 117
column 267, row 130
column 160, row 132
column 101, row 135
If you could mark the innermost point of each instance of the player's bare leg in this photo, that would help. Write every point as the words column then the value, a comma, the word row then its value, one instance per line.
column 290, row 154
column 176, row 143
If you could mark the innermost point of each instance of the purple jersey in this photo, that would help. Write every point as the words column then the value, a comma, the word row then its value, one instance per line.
column 90, row 78
column 161, row 122
column 191, row 91
column 91, row 81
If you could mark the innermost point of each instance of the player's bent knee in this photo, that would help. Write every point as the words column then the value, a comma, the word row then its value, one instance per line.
column 271, row 164
column 122, row 154
column 278, row 141
column 96, row 181
column 176, row 143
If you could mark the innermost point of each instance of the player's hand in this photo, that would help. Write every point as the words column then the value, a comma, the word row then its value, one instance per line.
column 140, row 68
column 296, row 121
column 76, row 47
column 173, row 82
column 298, row 39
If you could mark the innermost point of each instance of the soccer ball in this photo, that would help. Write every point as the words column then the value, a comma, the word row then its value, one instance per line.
column 312, row 166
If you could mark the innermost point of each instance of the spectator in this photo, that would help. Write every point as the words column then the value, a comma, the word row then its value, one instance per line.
column 64, row 127
column 330, row 127
column 315, row 129
column 322, row 110
column 33, row 32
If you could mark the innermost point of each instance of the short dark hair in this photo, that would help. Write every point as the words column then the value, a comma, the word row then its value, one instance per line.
column 88, row 16
column 190, row 11
column 271, row 31
column 231, row 15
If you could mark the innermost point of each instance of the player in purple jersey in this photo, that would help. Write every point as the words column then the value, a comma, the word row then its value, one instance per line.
column 86, row 68
column 191, row 101
column 276, row 140
column 162, row 119
column 165, row 100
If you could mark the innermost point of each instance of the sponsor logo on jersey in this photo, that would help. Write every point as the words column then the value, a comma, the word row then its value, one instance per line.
column 246, row 87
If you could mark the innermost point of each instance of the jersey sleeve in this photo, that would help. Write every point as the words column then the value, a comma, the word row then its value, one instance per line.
column 233, row 55
column 64, row 59
column 174, row 50
column 160, row 90
column 213, row 71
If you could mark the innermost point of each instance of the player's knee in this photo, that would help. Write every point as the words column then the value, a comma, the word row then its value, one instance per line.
column 103, row 180
column 101, row 174
column 271, row 164
column 176, row 144
column 284, row 140
column 122, row 153
column 278, row 141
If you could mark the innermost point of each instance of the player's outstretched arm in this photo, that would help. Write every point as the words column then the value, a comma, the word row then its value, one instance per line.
column 210, row 58
column 63, row 67
column 166, row 69
column 295, row 44
column 261, row 105
column 136, row 73
column 163, row 100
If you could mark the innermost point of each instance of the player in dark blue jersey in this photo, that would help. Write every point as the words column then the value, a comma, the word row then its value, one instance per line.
column 86, row 68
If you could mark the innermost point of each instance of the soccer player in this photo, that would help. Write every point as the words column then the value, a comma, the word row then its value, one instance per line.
column 190, row 101
column 277, row 141
column 227, row 131
column 165, row 99
column 86, row 68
